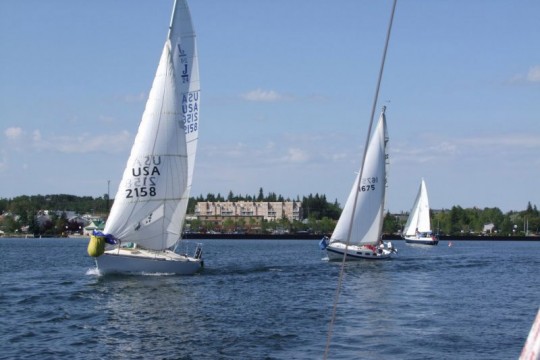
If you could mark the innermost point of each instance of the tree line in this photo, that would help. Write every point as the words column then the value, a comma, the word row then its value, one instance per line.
column 320, row 215
column 460, row 221
column 24, row 204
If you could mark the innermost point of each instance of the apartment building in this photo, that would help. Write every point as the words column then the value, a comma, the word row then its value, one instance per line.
column 292, row 210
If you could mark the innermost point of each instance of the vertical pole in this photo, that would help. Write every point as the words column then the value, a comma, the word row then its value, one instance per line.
column 340, row 280
column 108, row 195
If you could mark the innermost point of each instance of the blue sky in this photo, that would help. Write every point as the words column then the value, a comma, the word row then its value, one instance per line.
column 287, row 88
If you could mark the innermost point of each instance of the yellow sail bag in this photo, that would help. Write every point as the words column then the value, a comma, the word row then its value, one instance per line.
column 96, row 246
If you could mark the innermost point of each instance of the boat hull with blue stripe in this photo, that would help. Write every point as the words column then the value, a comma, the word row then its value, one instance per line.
column 335, row 252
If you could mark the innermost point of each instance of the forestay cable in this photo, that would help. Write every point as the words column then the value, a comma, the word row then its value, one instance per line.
column 342, row 270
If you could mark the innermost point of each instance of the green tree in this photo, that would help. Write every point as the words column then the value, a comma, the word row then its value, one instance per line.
column 228, row 225
column 61, row 224
column 391, row 224
column 327, row 225
column 457, row 220
column 272, row 197
column 507, row 225
column 9, row 224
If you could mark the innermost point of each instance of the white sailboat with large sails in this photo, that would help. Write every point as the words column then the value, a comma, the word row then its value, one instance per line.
column 358, row 232
column 418, row 227
column 149, row 209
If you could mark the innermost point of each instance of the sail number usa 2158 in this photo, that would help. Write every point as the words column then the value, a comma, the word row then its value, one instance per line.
column 190, row 111
column 144, row 178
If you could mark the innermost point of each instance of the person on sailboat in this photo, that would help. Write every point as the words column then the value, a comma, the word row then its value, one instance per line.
column 380, row 246
column 389, row 246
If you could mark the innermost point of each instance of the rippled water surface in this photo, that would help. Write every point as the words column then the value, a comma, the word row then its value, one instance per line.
column 270, row 299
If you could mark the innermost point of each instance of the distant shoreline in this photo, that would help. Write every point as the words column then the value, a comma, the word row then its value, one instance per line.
column 297, row 237
column 318, row 237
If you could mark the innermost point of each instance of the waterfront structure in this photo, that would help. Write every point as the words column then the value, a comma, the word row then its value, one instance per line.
column 270, row 211
column 95, row 225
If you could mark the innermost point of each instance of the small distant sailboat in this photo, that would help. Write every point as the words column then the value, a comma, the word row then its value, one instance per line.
column 358, row 232
column 149, row 209
column 418, row 227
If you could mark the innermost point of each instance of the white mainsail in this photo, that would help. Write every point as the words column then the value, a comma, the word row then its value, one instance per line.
column 419, row 218
column 368, row 215
column 150, row 205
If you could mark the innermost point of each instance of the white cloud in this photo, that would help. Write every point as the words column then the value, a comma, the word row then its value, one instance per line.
column 23, row 141
column 86, row 143
column 500, row 146
column 339, row 157
column 14, row 133
column 3, row 161
column 318, row 97
column 510, row 140
column 296, row 155
column 260, row 95
column 106, row 119
column 534, row 74
column 36, row 135
column 412, row 154
column 134, row 98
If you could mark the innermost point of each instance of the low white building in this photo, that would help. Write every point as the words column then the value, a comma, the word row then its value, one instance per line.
column 488, row 228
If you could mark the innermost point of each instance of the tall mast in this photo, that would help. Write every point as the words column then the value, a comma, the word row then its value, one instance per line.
column 172, row 20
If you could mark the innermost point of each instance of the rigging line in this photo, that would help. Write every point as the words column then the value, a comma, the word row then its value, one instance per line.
column 341, row 272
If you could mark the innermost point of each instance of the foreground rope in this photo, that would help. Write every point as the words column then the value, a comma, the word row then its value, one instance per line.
column 342, row 270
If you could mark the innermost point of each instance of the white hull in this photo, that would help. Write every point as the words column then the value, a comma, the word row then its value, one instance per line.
column 139, row 261
column 335, row 252
column 421, row 240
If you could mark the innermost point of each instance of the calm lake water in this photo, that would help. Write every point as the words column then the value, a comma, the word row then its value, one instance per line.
column 270, row 299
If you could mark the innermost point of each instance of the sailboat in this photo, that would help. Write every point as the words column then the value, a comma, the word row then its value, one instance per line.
column 358, row 232
column 418, row 227
column 145, row 223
